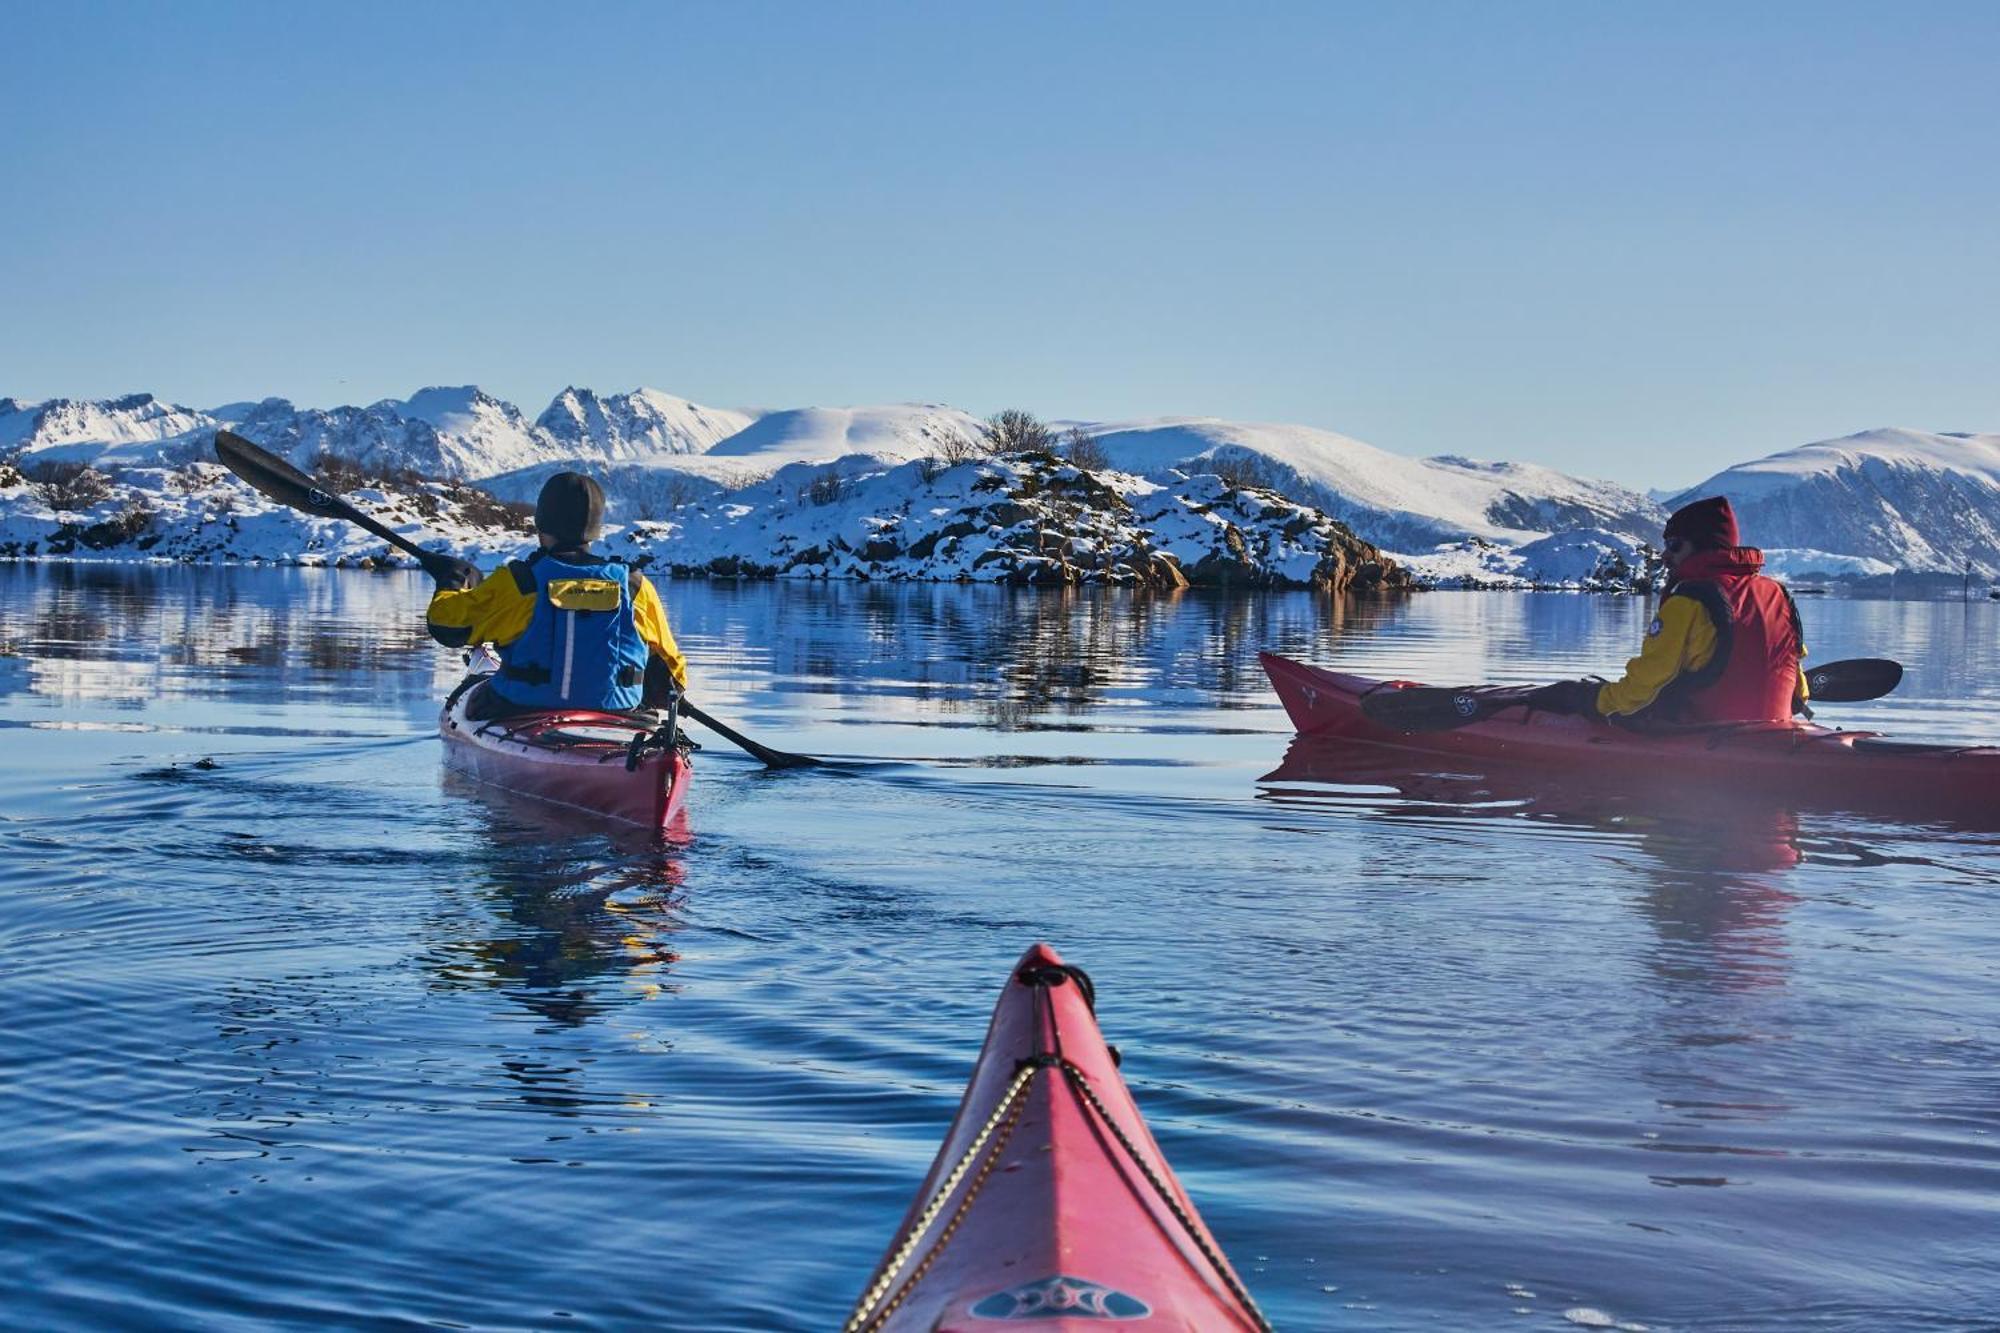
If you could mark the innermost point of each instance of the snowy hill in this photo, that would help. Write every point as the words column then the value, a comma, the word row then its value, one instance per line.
column 1406, row 504
column 1025, row 520
column 199, row 513
column 893, row 433
column 1894, row 498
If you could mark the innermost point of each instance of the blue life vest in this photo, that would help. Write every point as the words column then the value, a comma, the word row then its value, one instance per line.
column 581, row 648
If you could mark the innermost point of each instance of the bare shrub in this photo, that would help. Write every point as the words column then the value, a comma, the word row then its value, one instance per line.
column 129, row 524
column 1244, row 470
column 825, row 487
column 670, row 496
column 1016, row 432
column 187, row 479
column 69, row 486
column 484, row 509
column 1082, row 449
column 338, row 472
column 954, row 448
column 742, row 478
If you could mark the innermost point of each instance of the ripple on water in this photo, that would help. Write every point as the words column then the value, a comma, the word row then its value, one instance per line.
column 314, row 1038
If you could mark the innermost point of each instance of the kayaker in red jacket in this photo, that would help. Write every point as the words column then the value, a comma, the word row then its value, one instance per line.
column 1725, row 646
column 574, row 629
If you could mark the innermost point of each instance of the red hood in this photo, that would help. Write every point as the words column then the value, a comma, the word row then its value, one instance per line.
column 1721, row 563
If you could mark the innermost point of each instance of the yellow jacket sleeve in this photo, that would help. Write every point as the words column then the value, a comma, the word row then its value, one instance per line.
column 649, row 614
column 1680, row 639
column 494, row 610
column 497, row 611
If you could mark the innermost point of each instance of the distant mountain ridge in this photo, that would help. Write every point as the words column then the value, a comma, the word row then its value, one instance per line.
column 1872, row 502
column 459, row 432
column 1407, row 503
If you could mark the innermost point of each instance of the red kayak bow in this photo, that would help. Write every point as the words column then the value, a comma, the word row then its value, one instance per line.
column 1049, row 1206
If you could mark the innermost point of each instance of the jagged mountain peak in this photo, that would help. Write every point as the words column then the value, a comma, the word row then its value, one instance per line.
column 636, row 425
column 441, row 405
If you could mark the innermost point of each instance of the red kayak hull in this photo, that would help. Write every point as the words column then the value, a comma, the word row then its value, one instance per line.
column 576, row 759
column 1795, row 760
column 1053, row 1223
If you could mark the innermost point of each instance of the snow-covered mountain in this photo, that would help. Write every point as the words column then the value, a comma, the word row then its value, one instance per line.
column 641, row 424
column 1898, row 499
column 1863, row 505
column 1405, row 504
column 73, row 429
column 459, row 432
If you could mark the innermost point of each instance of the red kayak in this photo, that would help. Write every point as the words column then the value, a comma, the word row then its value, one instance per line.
column 613, row 765
column 1795, row 760
column 1049, row 1206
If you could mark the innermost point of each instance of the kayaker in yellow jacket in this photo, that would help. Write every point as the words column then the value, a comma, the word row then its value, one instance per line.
column 1726, row 644
column 574, row 629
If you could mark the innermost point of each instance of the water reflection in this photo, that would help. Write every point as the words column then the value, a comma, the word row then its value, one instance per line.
column 1678, row 828
column 1710, row 896
column 1006, row 656
column 558, row 912
column 140, row 637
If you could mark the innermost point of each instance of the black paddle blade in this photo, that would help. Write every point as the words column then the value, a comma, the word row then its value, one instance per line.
column 763, row 753
column 1854, row 680
column 1436, row 707
column 273, row 476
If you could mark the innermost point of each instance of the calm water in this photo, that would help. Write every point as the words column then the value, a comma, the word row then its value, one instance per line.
column 312, row 1037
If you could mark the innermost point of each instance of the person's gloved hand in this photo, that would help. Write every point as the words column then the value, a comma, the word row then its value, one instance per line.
column 1567, row 696
column 451, row 572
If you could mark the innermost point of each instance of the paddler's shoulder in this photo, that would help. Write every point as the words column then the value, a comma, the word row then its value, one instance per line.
column 1681, row 608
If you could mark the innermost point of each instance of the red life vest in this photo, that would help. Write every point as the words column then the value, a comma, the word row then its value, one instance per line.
column 1754, row 674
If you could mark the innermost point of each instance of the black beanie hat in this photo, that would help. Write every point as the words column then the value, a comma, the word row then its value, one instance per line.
column 570, row 509
column 1710, row 524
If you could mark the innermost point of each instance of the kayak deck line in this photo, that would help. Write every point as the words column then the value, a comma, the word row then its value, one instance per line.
column 547, row 735
column 870, row 1310
column 637, row 774
column 1117, row 1238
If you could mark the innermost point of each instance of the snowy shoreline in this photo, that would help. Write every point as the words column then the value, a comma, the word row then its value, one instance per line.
column 923, row 492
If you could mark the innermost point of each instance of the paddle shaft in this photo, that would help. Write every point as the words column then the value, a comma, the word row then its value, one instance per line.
column 1424, row 708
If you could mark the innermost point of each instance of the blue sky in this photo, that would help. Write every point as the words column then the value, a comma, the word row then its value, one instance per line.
column 1633, row 240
